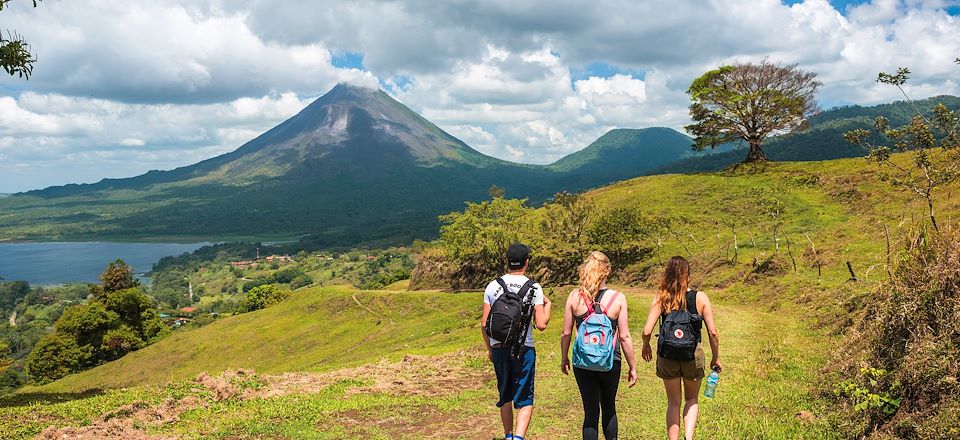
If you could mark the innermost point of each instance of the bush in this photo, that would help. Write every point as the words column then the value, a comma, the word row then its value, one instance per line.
column 479, row 236
column 909, row 342
column 55, row 356
column 301, row 281
column 264, row 296
column 115, row 322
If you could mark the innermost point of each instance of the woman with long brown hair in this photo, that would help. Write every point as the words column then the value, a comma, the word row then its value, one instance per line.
column 679, row 308
column 598, row 389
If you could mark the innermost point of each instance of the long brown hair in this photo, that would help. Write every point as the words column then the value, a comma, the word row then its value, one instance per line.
column 673, row 286
column 593, row 273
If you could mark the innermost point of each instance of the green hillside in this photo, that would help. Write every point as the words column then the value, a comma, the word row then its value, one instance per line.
column 410, row 364
column 623, row 153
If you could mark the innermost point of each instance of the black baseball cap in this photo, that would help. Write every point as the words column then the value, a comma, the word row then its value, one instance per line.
column 517, row 255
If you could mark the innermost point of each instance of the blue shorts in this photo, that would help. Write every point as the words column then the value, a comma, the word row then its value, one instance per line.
column 515, row 377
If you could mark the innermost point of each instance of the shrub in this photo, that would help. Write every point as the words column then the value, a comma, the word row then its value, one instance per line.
column 55, row 356
column 909, row 342
column 264, row 296
column 114, row 323
column 301, row 281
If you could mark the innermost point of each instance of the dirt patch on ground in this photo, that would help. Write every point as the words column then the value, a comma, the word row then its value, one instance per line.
column 126, row 422
column 413, row 376
column 422, row 423
column 110, row 429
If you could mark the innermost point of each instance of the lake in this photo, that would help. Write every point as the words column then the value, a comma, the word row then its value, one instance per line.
column 68, row 262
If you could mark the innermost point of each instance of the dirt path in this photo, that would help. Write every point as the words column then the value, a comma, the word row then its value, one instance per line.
column 376, row 315
column 13, row 319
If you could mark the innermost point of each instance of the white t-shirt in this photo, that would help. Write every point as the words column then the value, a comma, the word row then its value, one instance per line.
column 515, row 282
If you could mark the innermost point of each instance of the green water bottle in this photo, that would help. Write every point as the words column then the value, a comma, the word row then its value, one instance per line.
column 712, row 381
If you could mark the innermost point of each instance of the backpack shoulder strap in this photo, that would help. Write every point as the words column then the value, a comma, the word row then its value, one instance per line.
column 527, row 286
column 503, row 285
column 593, row 305
column 611, row 300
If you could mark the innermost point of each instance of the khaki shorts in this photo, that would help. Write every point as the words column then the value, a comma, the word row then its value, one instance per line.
column 671, row 369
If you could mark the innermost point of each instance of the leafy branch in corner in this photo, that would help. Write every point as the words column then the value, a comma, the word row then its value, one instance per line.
column 15, row 55
column 932, row 141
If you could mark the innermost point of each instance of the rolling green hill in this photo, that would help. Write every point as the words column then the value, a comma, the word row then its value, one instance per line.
column 624, row 153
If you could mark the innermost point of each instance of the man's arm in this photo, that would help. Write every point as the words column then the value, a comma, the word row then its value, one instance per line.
column 542, row 313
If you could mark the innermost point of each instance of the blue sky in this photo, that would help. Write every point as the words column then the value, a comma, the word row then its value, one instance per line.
column 842, row 5
column 125, row 87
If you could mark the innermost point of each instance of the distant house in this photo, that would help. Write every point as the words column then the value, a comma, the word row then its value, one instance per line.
column 371, row 257
column 279, row 258
column 164, row 316
column 180, row 321
column 188, row 309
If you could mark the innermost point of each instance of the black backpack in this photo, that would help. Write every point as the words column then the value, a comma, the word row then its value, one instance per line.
column 680, row 331
column 505, row 321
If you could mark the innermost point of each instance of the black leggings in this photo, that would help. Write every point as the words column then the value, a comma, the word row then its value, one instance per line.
column 598, row 390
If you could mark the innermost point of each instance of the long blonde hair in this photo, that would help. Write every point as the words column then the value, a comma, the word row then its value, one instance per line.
column 593, row 273
column 673, row 286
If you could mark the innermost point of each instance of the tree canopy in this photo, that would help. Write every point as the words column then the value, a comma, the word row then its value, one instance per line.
column 119, row 319
column 750, row 102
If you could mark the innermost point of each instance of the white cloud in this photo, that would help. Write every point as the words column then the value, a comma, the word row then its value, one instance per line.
column 132, row 142
column 125, row 87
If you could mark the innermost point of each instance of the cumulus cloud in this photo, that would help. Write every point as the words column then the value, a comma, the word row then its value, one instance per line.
column 121, row 88
column 50, row 139
column 151, row 52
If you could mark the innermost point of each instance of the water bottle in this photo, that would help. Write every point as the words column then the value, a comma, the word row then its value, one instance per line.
column 712, row 381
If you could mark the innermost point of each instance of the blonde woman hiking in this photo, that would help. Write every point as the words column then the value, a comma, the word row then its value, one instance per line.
column 680, row 360
column 602, row 332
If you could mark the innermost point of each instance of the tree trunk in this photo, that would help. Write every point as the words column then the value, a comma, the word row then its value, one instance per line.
column 933, row 218
column 755, row 154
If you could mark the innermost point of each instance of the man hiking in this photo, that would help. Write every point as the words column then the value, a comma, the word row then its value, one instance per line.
column 508, row 303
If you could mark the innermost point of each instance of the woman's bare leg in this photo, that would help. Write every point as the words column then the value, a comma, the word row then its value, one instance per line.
column 674, row 397
column 691, row 409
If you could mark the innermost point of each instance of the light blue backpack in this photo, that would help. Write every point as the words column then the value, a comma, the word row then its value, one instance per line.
column 596, row 343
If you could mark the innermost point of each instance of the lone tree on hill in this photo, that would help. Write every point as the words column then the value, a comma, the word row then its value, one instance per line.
column 750, row 102
column 15, row 56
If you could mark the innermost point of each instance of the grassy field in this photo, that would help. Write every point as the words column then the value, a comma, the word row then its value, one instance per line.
column 382, row 367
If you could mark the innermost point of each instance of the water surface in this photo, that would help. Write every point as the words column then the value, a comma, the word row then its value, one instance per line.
column 69, row 262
